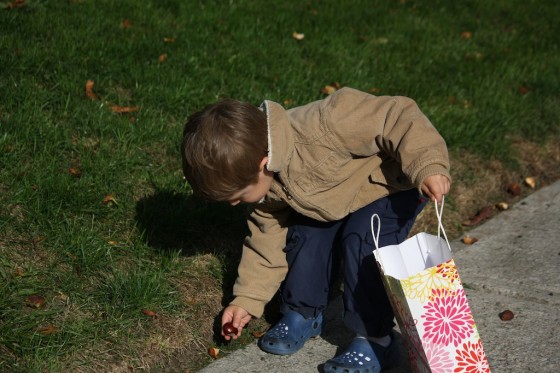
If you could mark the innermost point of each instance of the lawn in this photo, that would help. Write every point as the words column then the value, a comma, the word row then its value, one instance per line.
column 107, row 263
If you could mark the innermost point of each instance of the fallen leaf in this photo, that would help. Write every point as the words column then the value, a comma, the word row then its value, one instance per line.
column 506, row 315
column 468, row 240
column 75, row 171
column 289, row 102
column 381, row 40
column 124, row 109
column 502, row 206
column 329, row 89
column 514, row 189
column 474, row 56
column 19, row 272
column 126, row 24
column 466, row 34
column 169, row 40
column 162, row 57
column 522, row 89
column 47, row 330
column 112, row 243
column 39, row 239
column 36, row 301
column 109, row 199
column 149, row 313
column 15, row 4
column 482, row 214
column 89, row 90
column 257, row 334
column 298, row 36
column 63, row 297
column 531, row 182
column 214, row 352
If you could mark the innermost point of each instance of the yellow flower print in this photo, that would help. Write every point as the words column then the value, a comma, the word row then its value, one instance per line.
column 420, row 286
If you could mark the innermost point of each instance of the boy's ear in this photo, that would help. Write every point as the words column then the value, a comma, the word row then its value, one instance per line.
column 263, row 163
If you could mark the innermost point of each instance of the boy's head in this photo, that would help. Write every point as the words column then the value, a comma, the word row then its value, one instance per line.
column 223, row 148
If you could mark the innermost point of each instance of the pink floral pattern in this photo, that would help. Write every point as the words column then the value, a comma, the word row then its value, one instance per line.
column 471, row 359
column 447, row 317
column 436, row 321
column 439, row 358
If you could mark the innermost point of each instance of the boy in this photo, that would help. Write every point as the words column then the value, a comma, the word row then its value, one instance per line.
column 315, row 175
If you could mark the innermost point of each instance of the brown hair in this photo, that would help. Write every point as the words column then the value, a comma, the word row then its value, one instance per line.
column 223, row 145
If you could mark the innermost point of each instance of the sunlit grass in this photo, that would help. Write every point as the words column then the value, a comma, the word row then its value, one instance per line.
column 484, row 72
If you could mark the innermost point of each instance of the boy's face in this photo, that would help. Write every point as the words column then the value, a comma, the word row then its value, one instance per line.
column 257, row 191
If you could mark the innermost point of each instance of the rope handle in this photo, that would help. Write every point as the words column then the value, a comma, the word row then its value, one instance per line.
column 441, row 230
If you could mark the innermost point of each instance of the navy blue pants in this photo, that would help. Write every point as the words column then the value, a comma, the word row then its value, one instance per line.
column 314, row 251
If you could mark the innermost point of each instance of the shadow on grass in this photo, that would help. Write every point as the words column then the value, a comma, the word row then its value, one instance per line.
column 173, row 222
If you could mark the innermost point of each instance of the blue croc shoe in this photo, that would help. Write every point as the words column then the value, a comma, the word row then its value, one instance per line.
column 290, row 333
column 364, row 356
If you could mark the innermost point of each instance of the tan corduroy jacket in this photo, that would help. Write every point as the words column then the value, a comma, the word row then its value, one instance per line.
column 330, row 158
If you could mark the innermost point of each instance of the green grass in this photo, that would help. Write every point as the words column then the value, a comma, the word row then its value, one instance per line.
column 99, row 265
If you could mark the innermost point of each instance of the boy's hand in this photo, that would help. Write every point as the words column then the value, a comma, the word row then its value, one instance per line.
column 435, row 187
column 238, row 317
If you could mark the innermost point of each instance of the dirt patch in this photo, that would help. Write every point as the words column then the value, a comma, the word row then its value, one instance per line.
column 478, row 183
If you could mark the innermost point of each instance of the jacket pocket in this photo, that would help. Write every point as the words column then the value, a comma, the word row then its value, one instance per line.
column 323, row 176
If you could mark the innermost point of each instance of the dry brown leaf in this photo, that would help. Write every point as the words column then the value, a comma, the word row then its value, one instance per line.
column 89, row 90
column 47, row 330
column 466, row 34
column 329, row 89
column 36, row 301
column 257, row 334
column 214, row 352
column 289, row 102
column 149, row 313
column 522, row 89
column 109, row 199
column 514, row 189
column 126, row 23
column 75, row 171
column 502, row 206
column 124, row 109
column 15, row 4
column 298, row 35
column 19, row 272
column 531, row 182
column 63, row 297
column 381, row 40
column 481, row 215
column 162, row 57
column 169, row 40
column 112, row 243
column 468, row 240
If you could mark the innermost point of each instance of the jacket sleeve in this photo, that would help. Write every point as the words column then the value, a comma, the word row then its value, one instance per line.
column 395, row 126
column 263, row 263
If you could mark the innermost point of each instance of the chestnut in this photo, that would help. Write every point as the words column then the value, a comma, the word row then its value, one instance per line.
column 506, row 315
column 229, row 330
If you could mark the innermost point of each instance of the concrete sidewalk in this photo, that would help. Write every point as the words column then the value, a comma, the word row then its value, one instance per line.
column 515, row 265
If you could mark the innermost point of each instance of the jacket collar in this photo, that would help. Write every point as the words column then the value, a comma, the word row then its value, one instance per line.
column 280, row 137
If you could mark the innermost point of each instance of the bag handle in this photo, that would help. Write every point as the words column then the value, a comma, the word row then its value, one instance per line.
column 441, row 230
